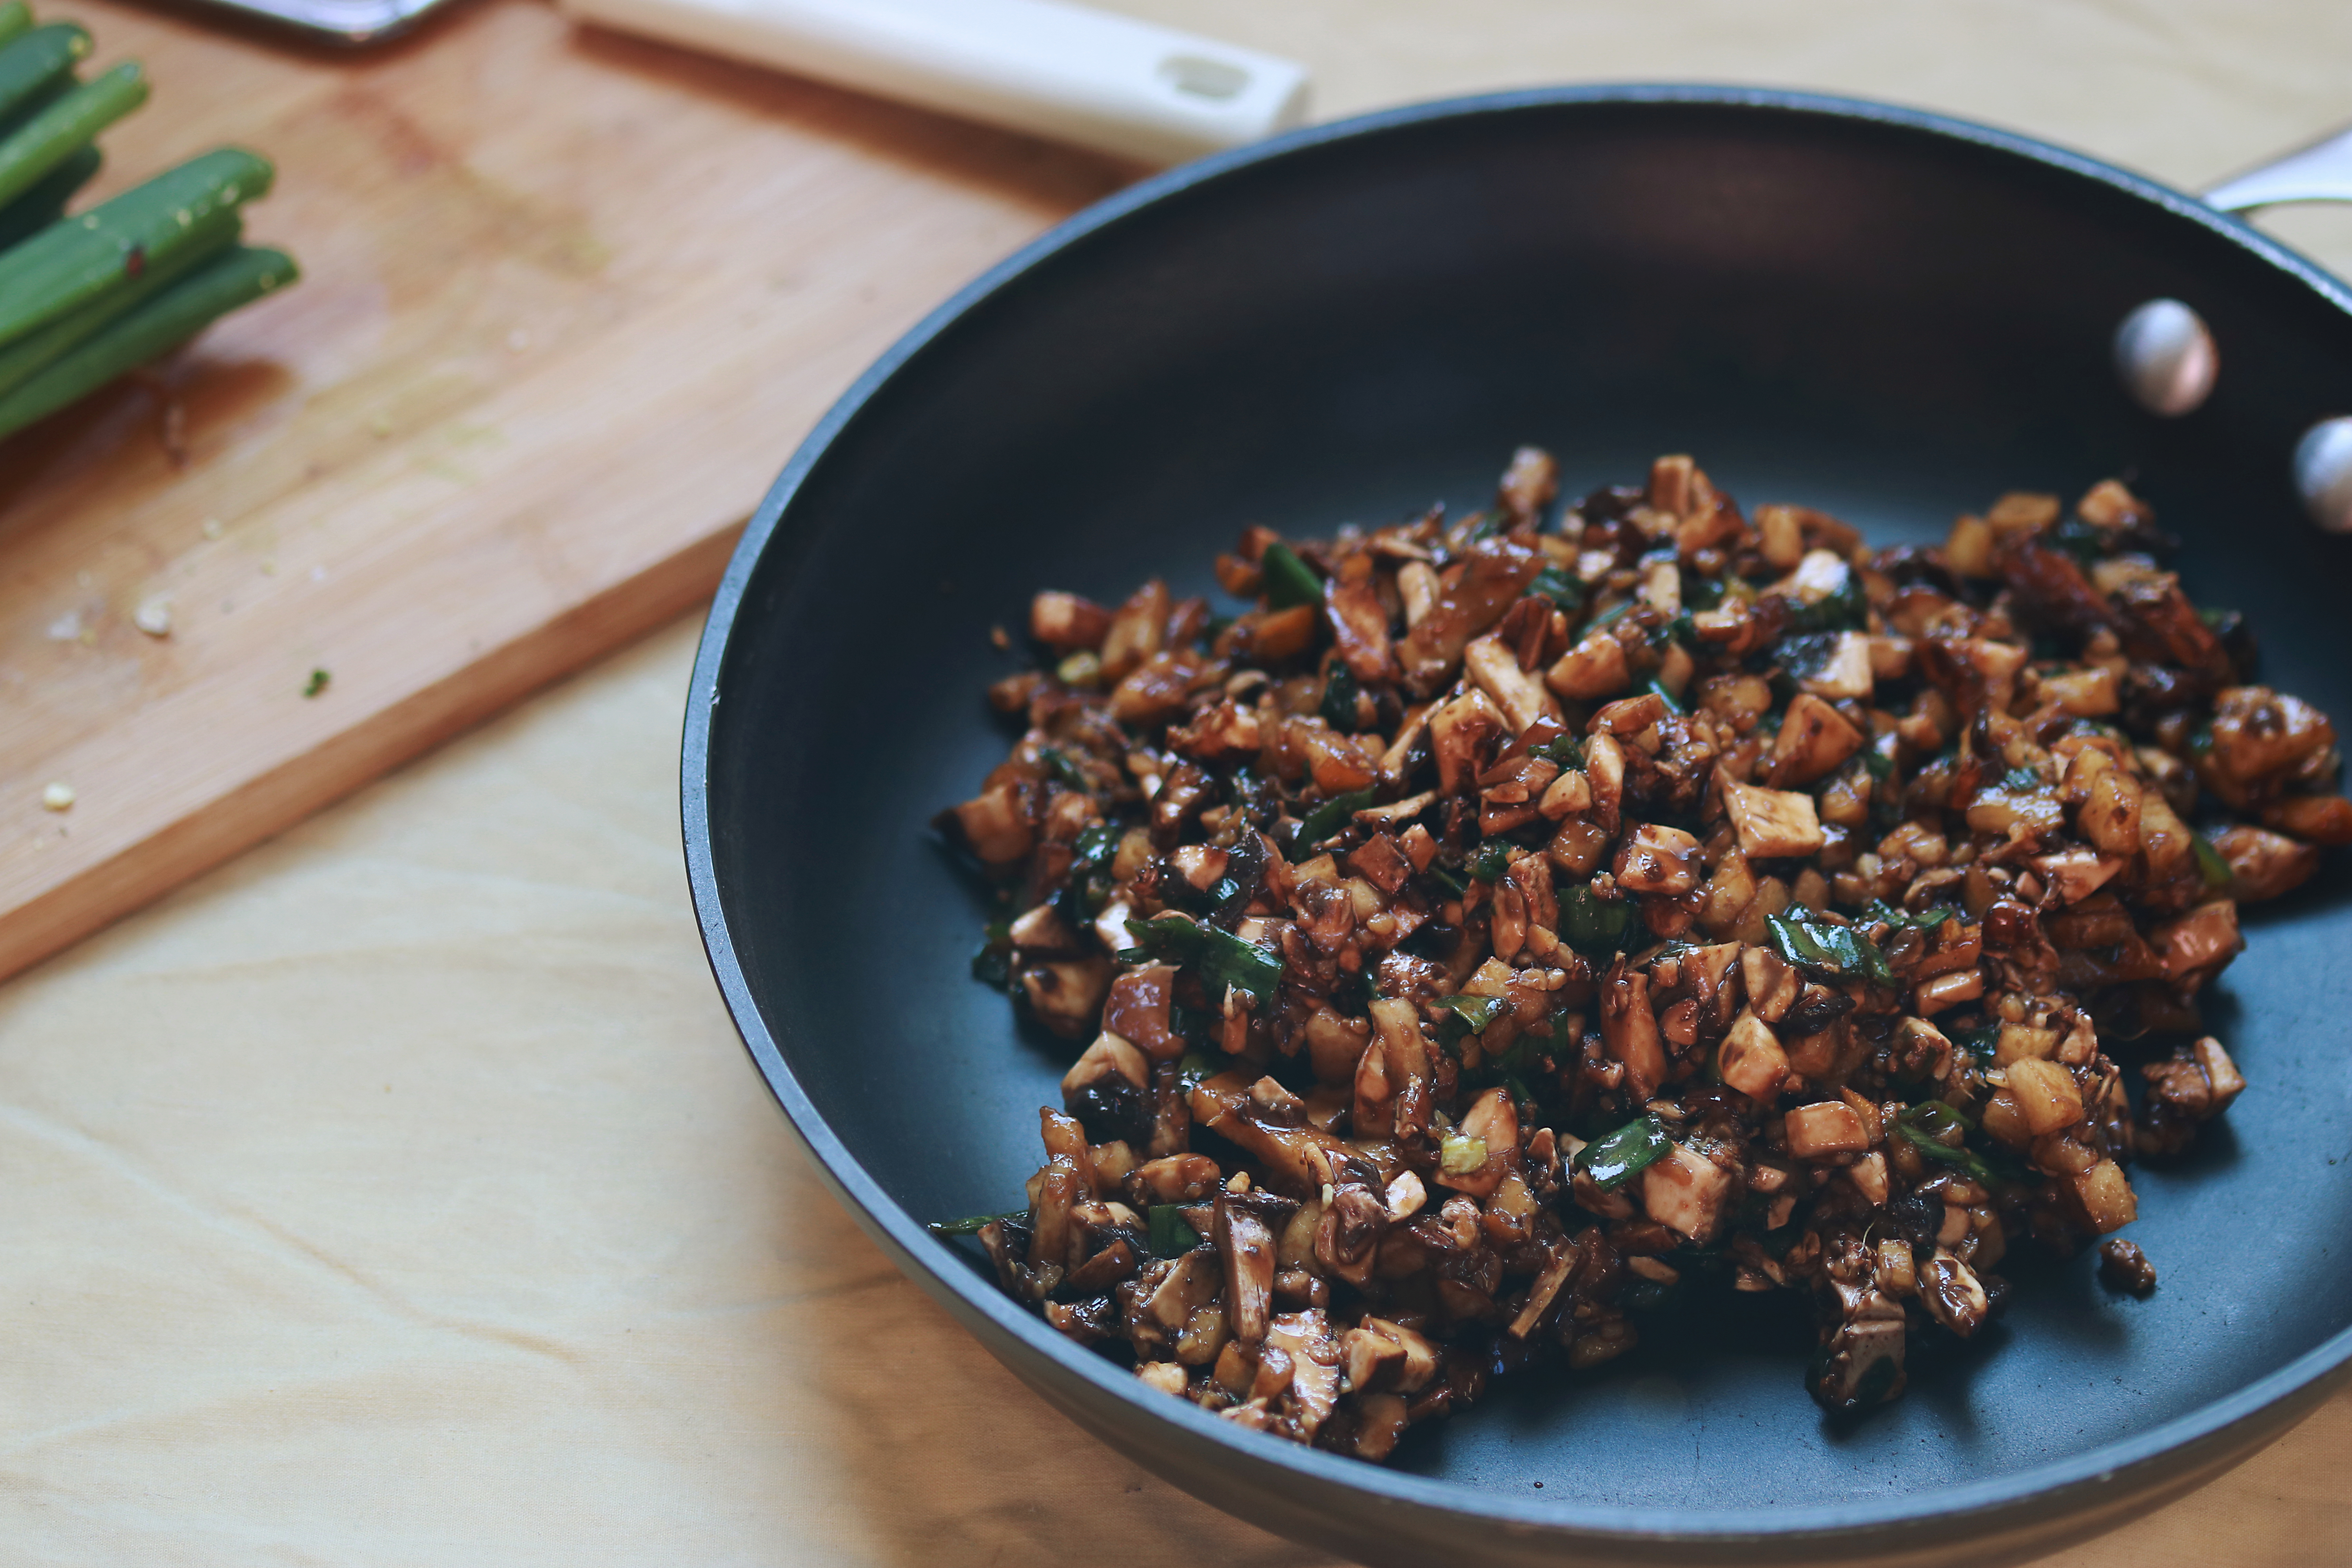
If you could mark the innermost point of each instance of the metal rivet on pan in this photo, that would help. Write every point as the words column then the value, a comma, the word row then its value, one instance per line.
column 2323, row 473
column 2166, row 358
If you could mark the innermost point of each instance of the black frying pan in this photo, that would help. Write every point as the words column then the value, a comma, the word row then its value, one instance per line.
column 1892, row 316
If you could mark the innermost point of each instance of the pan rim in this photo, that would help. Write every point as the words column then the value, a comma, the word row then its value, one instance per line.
column 2109, row 1475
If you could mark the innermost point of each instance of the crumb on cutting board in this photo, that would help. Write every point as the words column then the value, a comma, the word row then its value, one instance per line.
column 57, row 796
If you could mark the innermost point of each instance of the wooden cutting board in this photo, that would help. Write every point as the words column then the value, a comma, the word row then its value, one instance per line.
column 568, row 302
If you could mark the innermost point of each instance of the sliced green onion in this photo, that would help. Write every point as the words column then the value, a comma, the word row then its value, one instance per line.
column 1564, row 750
column 1825, row 946
column 1058, row 763
column 1594, row 925
column 1616, row 1158
column 971, row 1225
column 36, row 350
column 45, row 204
column 162, row 322
column 1563, row 589
column 1289, row 581
column 34, row 67
column 1223, row 959
column 1476, row 1012
column 63, row 128
column 1458, row 1156
column 1173, row 1235
column 1327, row 819
column 1673, row 704
column 2210, row 864
column 68, row 264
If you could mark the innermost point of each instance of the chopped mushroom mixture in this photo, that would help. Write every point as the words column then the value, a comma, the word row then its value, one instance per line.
column 1506, row 924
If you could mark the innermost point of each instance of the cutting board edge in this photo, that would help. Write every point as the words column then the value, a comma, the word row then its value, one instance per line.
column 274, row 800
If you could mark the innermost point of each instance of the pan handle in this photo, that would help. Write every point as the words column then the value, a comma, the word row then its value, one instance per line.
column 1123, row 85
column 2321, row 171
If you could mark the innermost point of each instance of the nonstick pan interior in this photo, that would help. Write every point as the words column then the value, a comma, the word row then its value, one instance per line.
column 1891, row 317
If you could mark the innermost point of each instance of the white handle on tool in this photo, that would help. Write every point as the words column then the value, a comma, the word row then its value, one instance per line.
column 1062, row 71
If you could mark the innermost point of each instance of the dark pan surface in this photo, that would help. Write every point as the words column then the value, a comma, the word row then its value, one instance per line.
column 1891, row 317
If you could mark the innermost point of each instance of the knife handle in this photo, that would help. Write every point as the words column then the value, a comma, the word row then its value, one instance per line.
column 1066, row 72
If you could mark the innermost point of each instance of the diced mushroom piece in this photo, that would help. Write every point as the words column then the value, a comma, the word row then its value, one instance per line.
column 1814, row 739
column 1471, row 598
column 2123, row 1267
column 1781, row 534
column 1458, row 733
column 1489, row 1130
column 1108, row 1057
column 1381, row 1420
column 1860, row 1362
column 1688, row 1193
column 1405, row 1196
column 1065, row 622
column 1952, row 1294
column 1662, row 587
column 1392, row 1081
column 1846, row 674
column 1223, row 733
column 1246, row 1247
column 1174, row 1179
column 2196, row 1086
column 2106, row 1198
column 1655, row 858
column 1604, row 774
column 2259, row 733
column 1189, row 1284
column 996, row 824
column 1531, row 484
column 1977, row 673
column 2200, row 943
column 1819, row 575
column 2015, row 812
column 1066, row 998
column 1348, row 1235
column 1138, row 1007
column 1772, row 823
column 1562, row 1262
column 1383, row 1357
column 1042, row 929
column 1166, row 1376
column 2074, row 875
column 1569, row 794
column 1750, row 1058
column 2163, row 836
column 1305, row 1338
column 1630, row 1028
column 1417, row 589
column 1136, row 631
column 1830, row 1126
column 1496, row 667
column 1771, row 985
column 1593, row 669
column 1359, row 622
column 1629, row 716
column 2091, row 693
column 2046, row 1095
column 2325, row 819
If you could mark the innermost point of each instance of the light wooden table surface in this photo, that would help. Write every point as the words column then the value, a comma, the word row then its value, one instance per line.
column 400, row 1194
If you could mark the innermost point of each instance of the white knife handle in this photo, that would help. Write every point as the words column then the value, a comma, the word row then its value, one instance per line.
column 1061, row 71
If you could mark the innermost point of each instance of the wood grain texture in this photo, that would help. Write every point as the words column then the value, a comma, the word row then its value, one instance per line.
column 568, row 302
